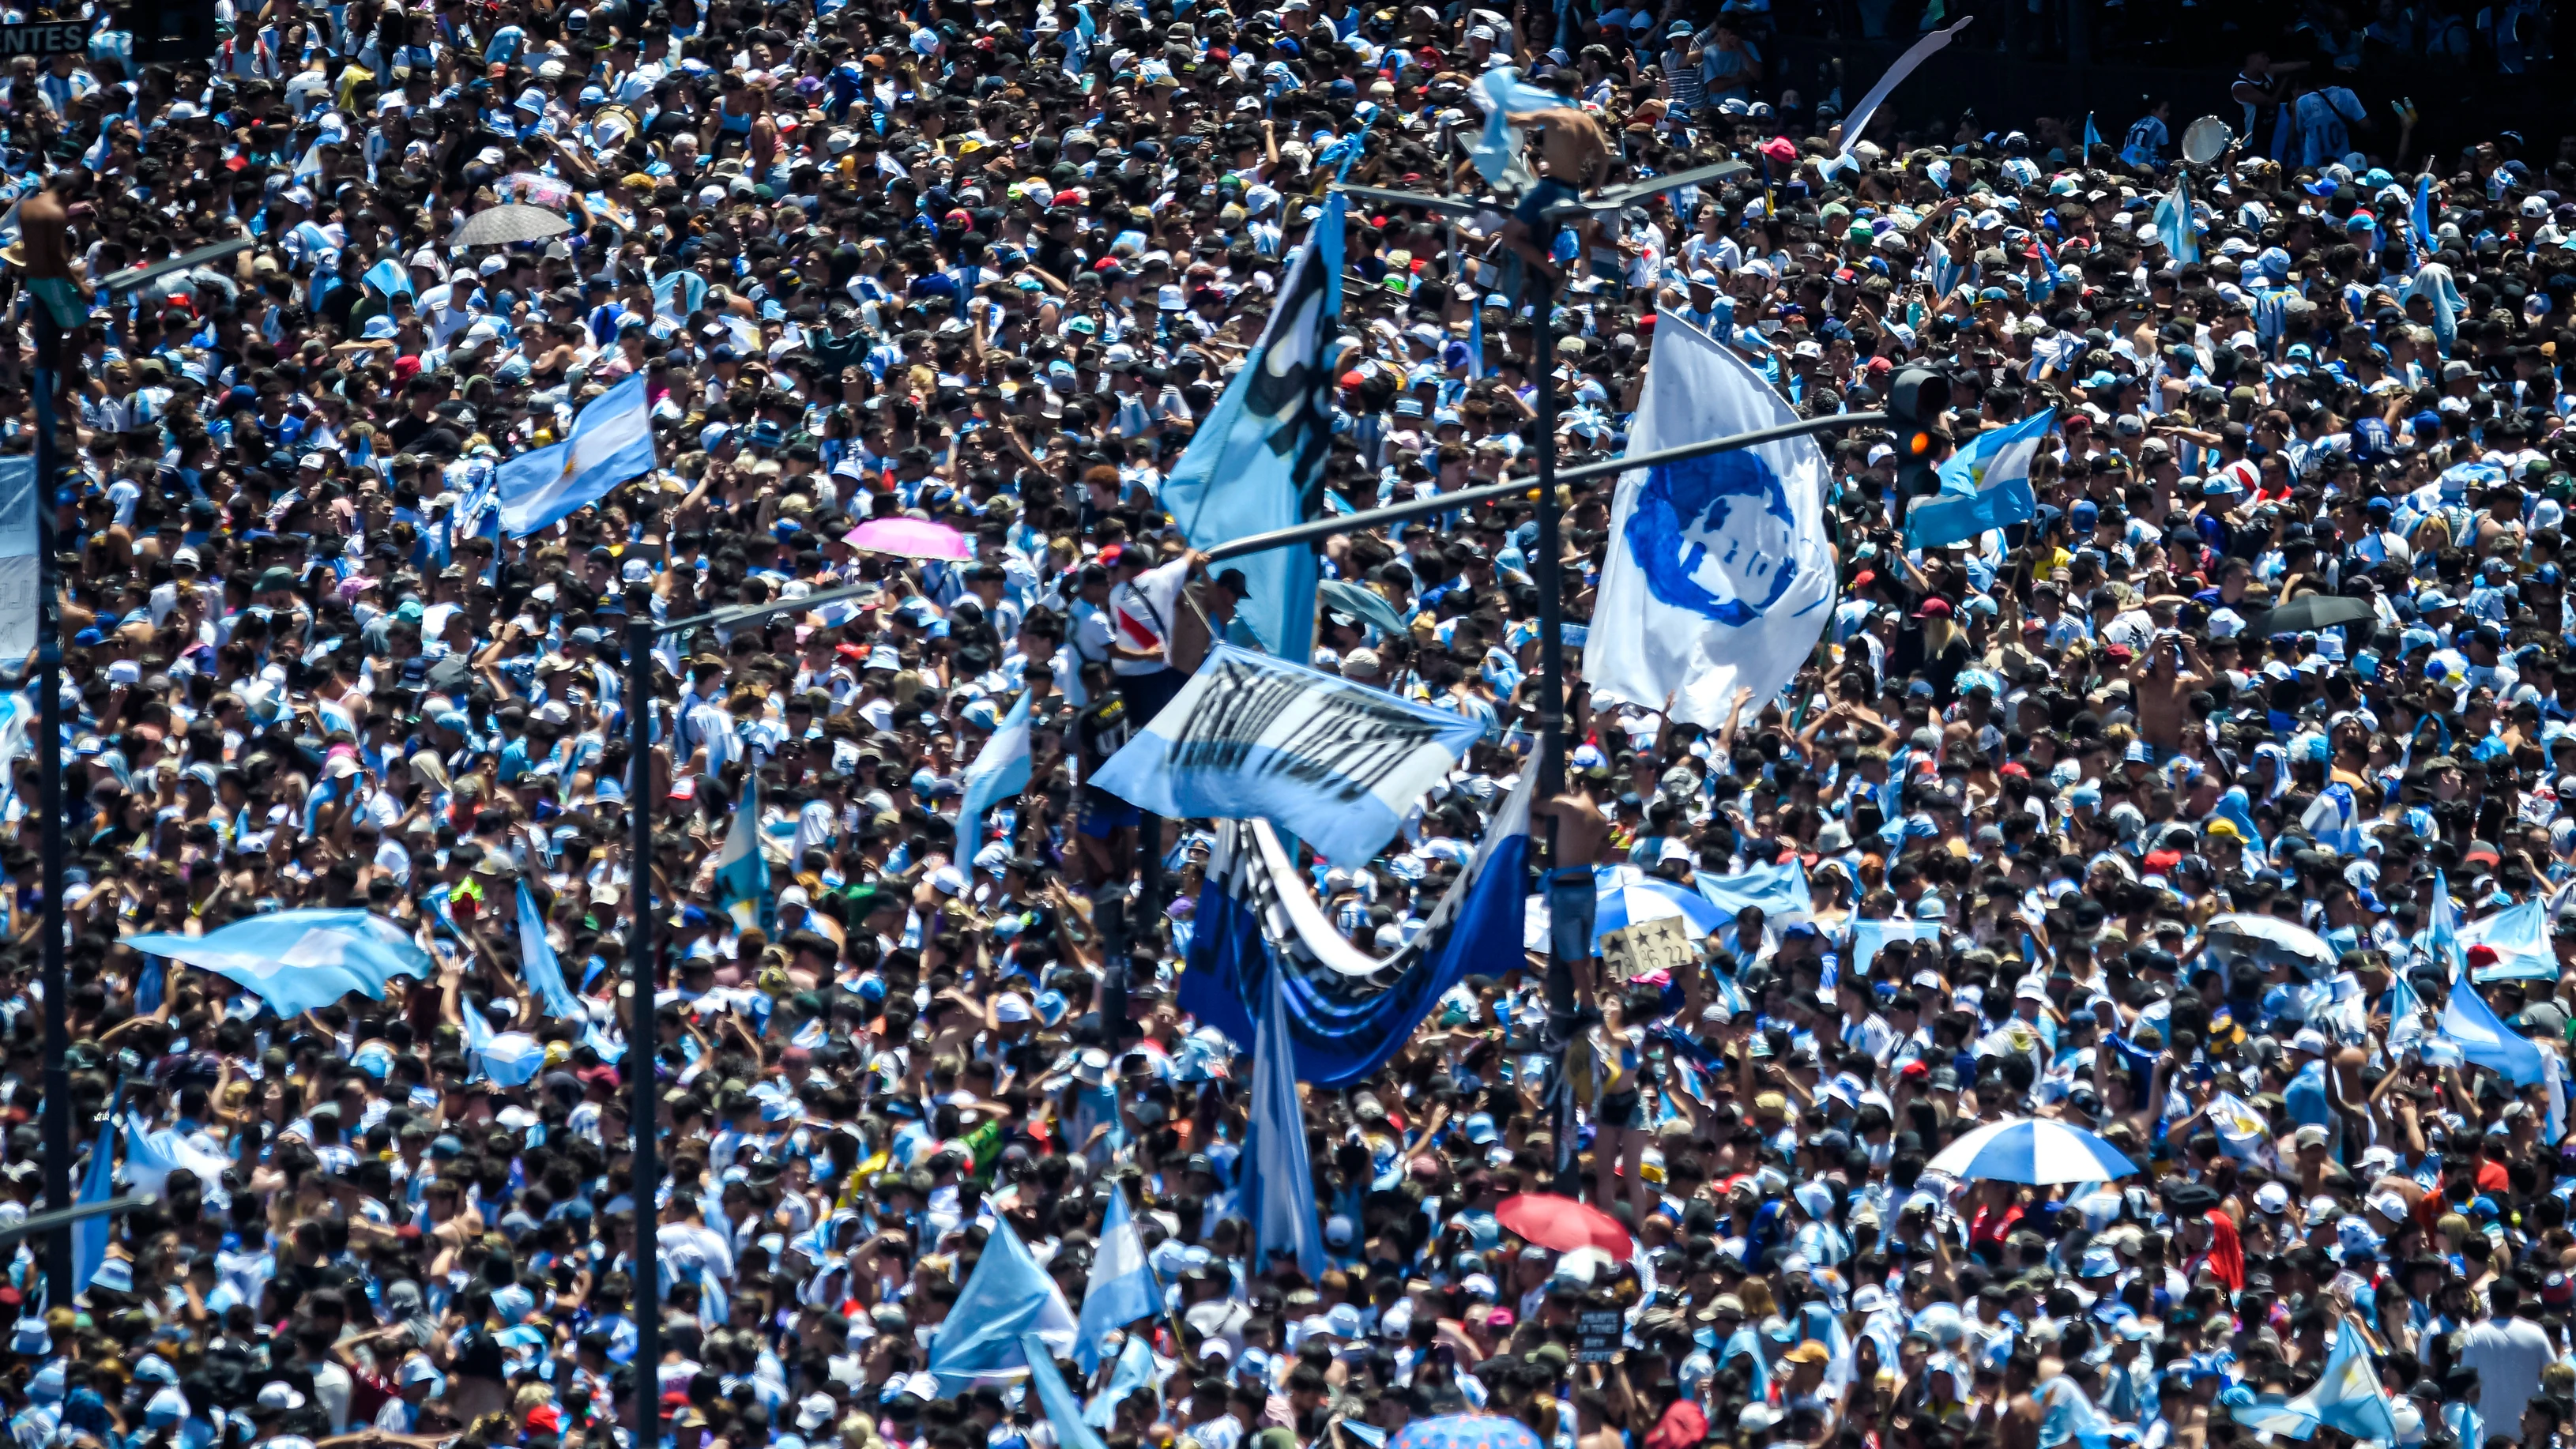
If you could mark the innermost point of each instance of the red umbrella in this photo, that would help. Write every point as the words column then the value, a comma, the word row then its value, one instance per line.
column 1563, row 1224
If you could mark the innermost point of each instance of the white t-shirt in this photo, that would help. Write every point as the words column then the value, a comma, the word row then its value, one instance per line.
column 2508, row 1356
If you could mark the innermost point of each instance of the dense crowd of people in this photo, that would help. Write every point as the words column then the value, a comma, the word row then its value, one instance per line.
column 2198, row 810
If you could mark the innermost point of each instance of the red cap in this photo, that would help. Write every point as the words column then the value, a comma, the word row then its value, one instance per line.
column 2481, row 954
column 1933, row 608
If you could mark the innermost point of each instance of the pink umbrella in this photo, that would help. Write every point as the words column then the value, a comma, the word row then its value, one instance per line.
column 910, row 538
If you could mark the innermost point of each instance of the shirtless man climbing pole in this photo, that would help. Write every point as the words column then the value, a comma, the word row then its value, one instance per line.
column 1572, row 159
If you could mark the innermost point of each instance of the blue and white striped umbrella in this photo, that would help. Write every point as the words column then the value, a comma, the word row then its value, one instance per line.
column 2033, row 1150
column 1629, row 895
column 1624, row 896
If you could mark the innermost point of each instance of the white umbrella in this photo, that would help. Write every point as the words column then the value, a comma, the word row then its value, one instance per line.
column 2035, row 1150
column 2264, row 937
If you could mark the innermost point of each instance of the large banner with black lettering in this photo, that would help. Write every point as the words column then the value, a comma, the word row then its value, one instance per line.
column 1254, row 738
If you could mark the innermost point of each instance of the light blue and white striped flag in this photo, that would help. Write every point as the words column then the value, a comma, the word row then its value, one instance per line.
column 539, row 965
column 611, row 442
column 1121, row 1288
column 1000, row 771
column 1986, row 485
column 742, row 873
column 1279, row 1179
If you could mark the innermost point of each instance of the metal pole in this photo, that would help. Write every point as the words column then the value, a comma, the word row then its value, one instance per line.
column 1143, row 919
column 49, row 754
column 1486, row 492
column 643, row 1109
column 59, row 1220
column 1551, row 699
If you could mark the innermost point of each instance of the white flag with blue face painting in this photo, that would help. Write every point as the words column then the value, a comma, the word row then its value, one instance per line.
column 1719, row 576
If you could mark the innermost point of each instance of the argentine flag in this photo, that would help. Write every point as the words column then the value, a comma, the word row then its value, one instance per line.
column 2348, row 1396
column 538, row 964
column 2173, row 223
column 1986, row 485
column 1278, row 1183
column 389, row 277
column 742, row 874
column 611, row 442
column 295, row 961
column 98, row 1184
column 1121, row 1288
column 509, row 1058
column 2486, row 1041
column 1001, row 770
column 18, row 563
column 2335, row 820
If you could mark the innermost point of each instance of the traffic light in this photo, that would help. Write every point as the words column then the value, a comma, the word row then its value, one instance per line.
column 1916, row 399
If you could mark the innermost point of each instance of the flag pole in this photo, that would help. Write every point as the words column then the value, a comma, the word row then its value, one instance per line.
column 646, row 1304
column 1551, row 697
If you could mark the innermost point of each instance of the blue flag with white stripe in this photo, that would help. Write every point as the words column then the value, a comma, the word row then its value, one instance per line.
column 2173, row 223
column 742, row 873
column 1121, row 1288
column 509, row 1058
column 611, row 443
column 1986, row 485
column 98, row 1183
column 298, row 960
column 389, row 277
column 1278, row 1178
column 1257, row 462
column 2484, row 1040
column 1007, row 1296
column 1000, row 771
column 538, row 963
column 2334, row 818
column 2348, row 1395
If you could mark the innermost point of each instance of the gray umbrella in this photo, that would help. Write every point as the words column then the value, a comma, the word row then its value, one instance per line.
column 504, row 225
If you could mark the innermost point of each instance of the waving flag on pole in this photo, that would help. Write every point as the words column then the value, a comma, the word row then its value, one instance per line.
column 2405, row 1015
column 539, row 965
column 1008, row 1295
column 2334, row 818
column 2420, row 216
column 1985, row 485
column 298, row 960
column 2519, row 935
column 2348, row 1395
column 1859, row 119
column 1001, row 770
column 2092, row 138
column 1719, row 572
column 611, row 442
column 1055, row 1397
column 150, row 1158
column 98, row 1184
column 1278, row 1178
column 1257, row 462
column 2173, row 223
column 2444, row 927
column 1134, row 1371
column 1121, row 1288
column 742, row 873
column 2484, row 1039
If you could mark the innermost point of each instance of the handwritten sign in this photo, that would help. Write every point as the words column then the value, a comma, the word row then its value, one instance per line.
column 1597, row 1332
column 1648, row 947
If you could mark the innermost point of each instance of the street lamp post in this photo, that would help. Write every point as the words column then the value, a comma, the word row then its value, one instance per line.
column 643, row 1105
